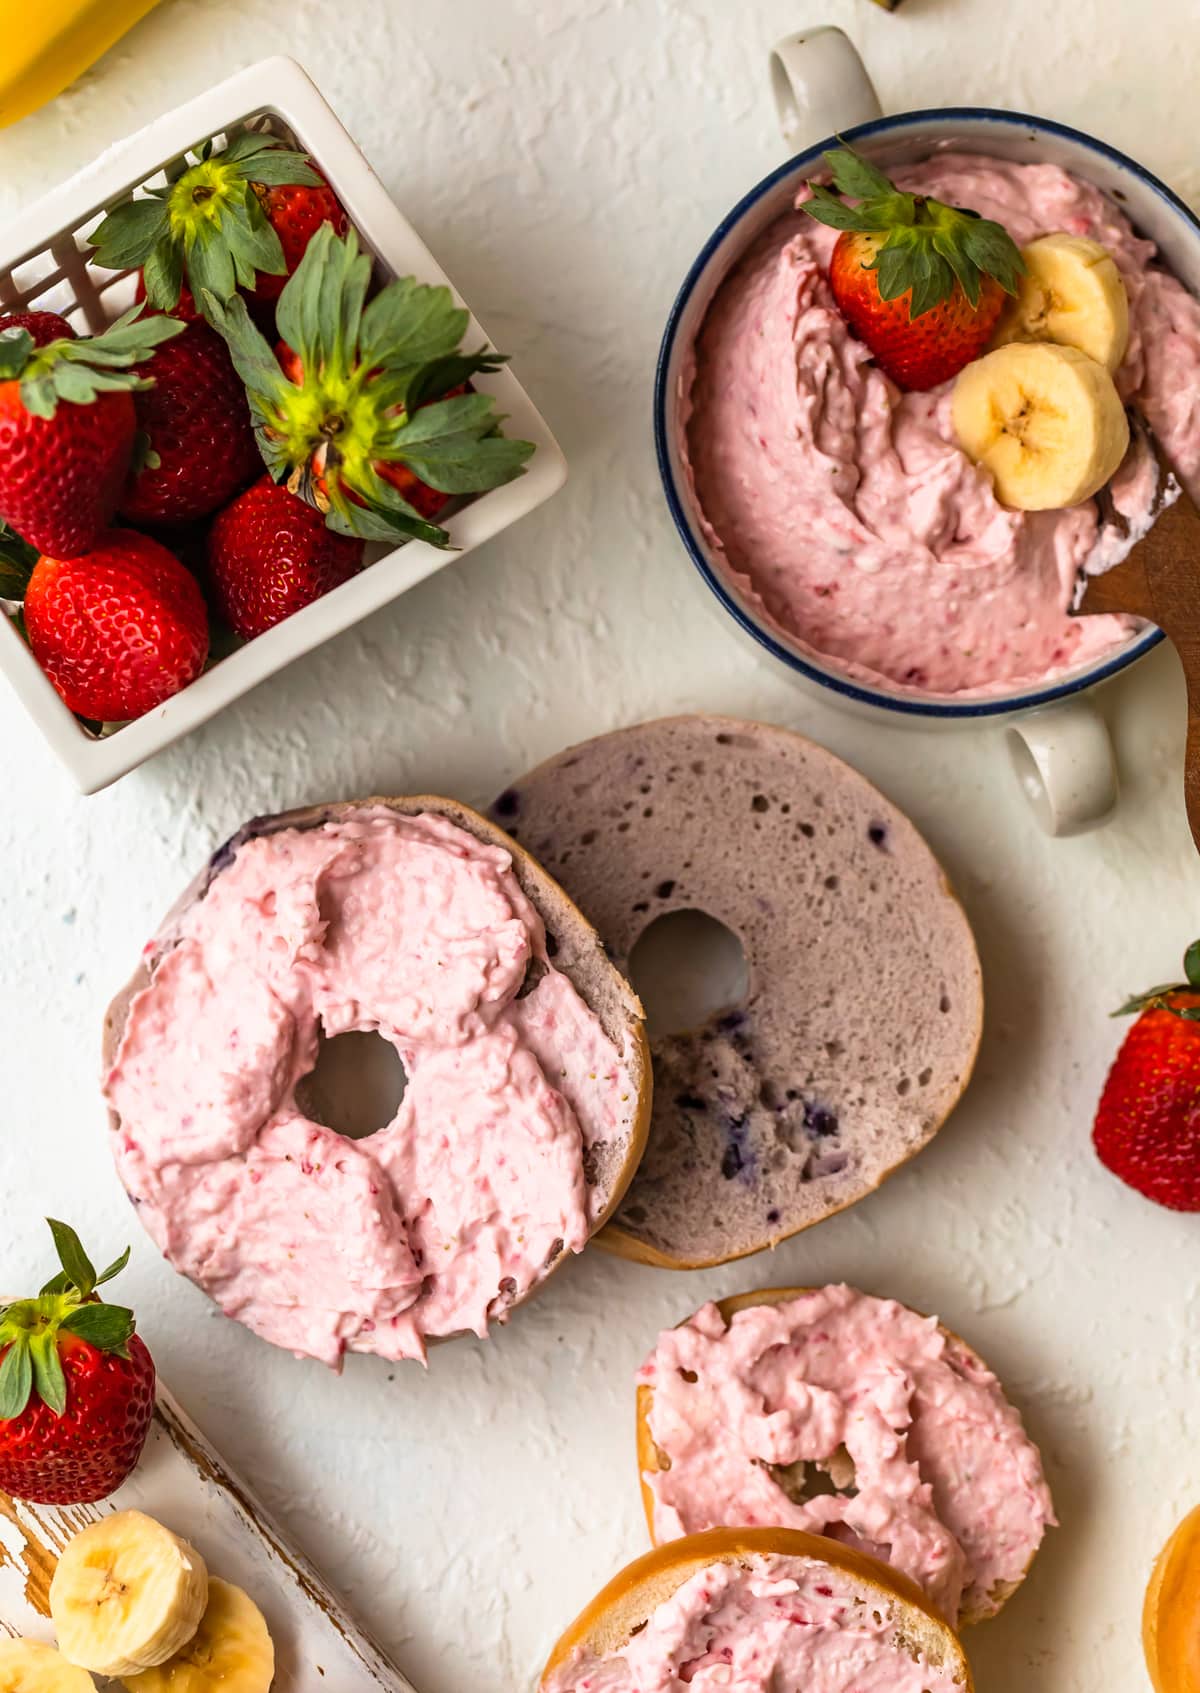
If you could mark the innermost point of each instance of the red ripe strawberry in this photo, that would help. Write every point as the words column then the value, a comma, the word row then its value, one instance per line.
column 67, row 429
column 922, row 283
column 295, row 212
column 235, row 219
column 43, row 326
column 200, row 442
column 76, row 1386
column 119, row 630
column 270, row 554
column 1147, row 1128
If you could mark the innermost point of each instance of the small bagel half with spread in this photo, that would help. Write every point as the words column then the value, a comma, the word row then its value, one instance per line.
column 763, row 1610
column 830, row 1411
column 526, row 1094
column 859, row 1028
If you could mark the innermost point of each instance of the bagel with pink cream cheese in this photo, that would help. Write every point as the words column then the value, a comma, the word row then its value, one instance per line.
column 836, row 1413
column 526, row 1098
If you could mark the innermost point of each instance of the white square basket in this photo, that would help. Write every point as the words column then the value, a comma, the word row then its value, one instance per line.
column 43, row 258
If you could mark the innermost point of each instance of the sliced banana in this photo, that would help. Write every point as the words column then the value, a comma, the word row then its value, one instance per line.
column 231, row 1651
column 1047, row 422
column 127, row 1594
column 1071, row 293
column 27, row 1666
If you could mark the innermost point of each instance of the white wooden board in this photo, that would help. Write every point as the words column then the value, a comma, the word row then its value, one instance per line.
column 183, row 1483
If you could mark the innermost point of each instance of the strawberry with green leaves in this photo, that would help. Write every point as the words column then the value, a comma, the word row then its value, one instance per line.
column 377, row 390
column 230, row 219
column 920, row 282
column 76, row 1386
column 1147, row 1128
column 68, row 426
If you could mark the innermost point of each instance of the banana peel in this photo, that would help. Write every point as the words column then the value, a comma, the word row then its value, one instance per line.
column 48, row 43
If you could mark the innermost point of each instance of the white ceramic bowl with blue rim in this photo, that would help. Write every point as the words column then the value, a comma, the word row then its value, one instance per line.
column 1060, row 745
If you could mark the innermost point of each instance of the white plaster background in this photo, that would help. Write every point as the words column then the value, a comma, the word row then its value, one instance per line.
column 565, row 158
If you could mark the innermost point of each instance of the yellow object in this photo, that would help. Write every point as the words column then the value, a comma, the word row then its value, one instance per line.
column 231, row 1651
column 46, row 44
column 1171, row 1620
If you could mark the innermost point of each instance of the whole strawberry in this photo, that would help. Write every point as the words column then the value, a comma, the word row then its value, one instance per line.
column 1147, row 1128
column 119, row 630
column 199, row 448
column 236, row 217
column 920, row 282
column 43, row 326
column 67, row 429
column 374, row 403
column 270, row 554
column 76, row 1386
column 295, row 212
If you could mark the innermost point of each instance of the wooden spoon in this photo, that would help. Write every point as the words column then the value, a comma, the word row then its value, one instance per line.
column 1158, row 581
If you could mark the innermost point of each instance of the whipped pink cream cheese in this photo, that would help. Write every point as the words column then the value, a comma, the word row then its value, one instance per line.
column 935, row 1472
column 411, row 927
column 765, row 1626
column 844, row 511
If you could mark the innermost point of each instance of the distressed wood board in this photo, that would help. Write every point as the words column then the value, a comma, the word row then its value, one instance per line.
column 183, row 1483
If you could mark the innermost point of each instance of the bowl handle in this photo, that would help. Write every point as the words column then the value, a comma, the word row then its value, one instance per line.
column 821, row 87
column 1063, row 759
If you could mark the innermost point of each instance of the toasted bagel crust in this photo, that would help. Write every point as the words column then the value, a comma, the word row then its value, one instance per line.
column 618, row 1609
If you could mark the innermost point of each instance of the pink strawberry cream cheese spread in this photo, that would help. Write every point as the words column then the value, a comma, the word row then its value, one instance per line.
column 932, row 1469
column 844, row 511
column 411, row 927
column 770, row 1625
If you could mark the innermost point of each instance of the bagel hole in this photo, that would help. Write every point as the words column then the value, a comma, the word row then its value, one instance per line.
column 687, row 968
column 356, row 1085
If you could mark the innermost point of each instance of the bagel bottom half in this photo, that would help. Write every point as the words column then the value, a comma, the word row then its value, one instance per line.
column 897, row 1623
column 857, row 1028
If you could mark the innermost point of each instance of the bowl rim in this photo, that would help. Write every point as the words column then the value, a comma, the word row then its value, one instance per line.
column 932, row 706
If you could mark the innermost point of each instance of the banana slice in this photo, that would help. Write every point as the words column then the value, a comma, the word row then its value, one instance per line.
column 127, row 1594
column 27, row 1666
column 230, row 1651
column 1071, row 293
column 1046, row 421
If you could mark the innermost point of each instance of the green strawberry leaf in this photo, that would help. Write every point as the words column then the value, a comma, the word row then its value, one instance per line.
column 15, row 348
column 129, row 234
column 114, row 1269
column 464, row 465
column 1191, row 964
column 74, row 1260
column 107, row 1327
column 48, row 1378
column 409, row 323
column 438, row 376
column 274, row 165
column 856, row 176
column 57, row 1284
column 162, row 274
column 16, row 1378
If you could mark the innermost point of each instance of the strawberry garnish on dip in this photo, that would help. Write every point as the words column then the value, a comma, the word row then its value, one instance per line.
column 76, row 1386
column 67, row 428
column 220, row 226
column 375, row 387
column 922, row 283
column 1147, row 1128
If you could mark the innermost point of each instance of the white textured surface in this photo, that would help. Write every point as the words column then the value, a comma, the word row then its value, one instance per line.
column 565, row 158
